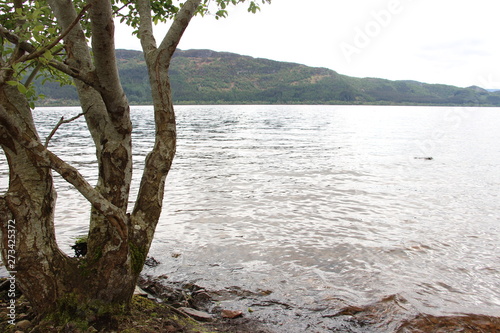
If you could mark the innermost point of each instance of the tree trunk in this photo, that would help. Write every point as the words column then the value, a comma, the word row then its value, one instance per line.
column 29, row 203
column 108, row 119
column 52, row 281
column 158, row 162
column 118, row 242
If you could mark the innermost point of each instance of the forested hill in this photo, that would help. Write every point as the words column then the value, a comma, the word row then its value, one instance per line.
column 209, row 77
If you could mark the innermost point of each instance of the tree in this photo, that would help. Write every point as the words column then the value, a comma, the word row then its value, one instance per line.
column 50, row 38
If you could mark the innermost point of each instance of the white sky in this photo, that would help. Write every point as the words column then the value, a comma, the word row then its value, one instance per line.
column 453, row 42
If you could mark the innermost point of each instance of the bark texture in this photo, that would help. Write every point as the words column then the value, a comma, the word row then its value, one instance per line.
column 118, row 242
column 150, row 197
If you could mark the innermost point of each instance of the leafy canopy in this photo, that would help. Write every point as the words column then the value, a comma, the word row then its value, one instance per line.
column 32, row 22
column 162, row 11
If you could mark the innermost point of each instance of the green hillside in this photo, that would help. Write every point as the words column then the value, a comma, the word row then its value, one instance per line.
column 209, row 77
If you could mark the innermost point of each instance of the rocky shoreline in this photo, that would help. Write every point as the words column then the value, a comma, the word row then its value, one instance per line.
column 156, row 308
column 163, row 306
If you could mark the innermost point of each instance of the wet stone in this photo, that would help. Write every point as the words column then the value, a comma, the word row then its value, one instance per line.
column 196, row 314
column 231, row 314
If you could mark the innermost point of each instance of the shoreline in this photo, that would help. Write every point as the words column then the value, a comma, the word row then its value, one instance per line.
column 186, row 307
column 326, row 103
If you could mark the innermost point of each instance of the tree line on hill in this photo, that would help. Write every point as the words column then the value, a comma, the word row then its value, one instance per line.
column 209, row 77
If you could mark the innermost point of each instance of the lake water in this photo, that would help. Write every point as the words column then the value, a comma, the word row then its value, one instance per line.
column 317, row 207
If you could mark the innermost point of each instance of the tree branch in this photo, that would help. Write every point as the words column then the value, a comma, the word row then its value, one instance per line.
column 124, row 6
column 112, row 213
column 16, row 40
column 104, row 54
column 46, row 158
column 108, row 120
column 146, row 36
column 33, row 74
column 181, row 21
column 149, row 201
column 60, row 122
column 28, row 47
column 56, row 41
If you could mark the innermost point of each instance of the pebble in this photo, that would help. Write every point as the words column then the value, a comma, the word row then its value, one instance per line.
column 231, row 314
column 23, row 324
column 200, row 315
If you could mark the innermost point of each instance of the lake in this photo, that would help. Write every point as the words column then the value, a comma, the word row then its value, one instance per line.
column 317, row 207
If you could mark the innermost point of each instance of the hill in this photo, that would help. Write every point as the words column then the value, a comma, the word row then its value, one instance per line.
column 209, row 77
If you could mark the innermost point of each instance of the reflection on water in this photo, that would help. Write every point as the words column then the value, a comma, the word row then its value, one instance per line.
column 325, row 206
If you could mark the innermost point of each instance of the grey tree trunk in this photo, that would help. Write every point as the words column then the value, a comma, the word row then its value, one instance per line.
column 118, row 242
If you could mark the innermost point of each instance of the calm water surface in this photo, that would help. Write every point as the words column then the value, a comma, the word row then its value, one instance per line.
column 323, row 206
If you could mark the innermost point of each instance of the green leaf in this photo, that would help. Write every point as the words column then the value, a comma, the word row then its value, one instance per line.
column 48, row 55
column 22, row 89
column 38, row 28
column 221, row 13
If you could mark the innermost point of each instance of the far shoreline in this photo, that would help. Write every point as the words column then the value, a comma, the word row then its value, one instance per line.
column 193, row 103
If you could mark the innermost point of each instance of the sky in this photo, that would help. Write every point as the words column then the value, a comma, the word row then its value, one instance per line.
column 454, row 42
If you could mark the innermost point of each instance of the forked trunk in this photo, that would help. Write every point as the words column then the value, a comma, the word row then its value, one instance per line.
column 50, row 279
column 103, row 281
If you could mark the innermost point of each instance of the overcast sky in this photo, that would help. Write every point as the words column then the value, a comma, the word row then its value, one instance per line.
column 453, row 42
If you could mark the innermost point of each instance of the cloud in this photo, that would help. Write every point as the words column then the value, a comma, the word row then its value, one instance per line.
column 444, row 41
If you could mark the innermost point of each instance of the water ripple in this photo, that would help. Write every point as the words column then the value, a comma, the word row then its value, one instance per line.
column 324, row 205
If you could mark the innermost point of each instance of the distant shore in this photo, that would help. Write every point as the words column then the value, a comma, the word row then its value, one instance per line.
column 73, row 103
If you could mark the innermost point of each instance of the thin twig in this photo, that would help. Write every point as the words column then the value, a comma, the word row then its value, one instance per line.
column 119, row 9
column 61, row 121
column 33, row 74
column 41, row 51
column 27, row 47
column 39, row 66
